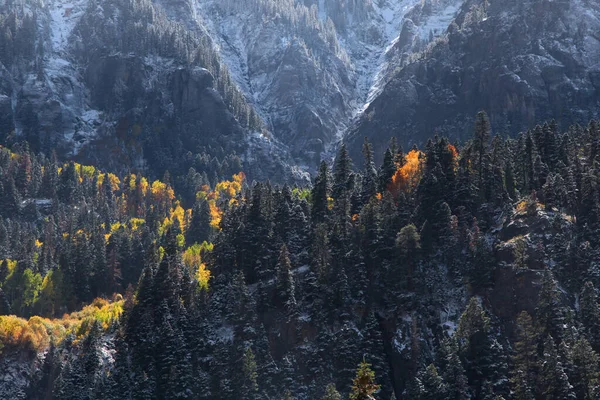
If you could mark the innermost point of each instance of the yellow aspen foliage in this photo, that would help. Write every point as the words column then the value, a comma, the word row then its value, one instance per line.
column 114, row 182
column 37, row 333
column 144, row 186
column 132, row 182
column 101, row 179
column 192, row 258
column 161, row 191
column 203, row 276
column 225, row 192
column 216, row 214
column 180, row 240
column 179, row 213
column 88, row 171
column 136, row 223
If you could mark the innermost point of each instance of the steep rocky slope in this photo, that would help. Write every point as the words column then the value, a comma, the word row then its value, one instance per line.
column 310, row 67
column 119, row 84
column 521, row 61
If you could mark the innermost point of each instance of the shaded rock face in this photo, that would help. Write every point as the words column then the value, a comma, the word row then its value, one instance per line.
column 152, row 99
column 120, row 85
column 517, row 286
column 522, row 62
column 310, row 66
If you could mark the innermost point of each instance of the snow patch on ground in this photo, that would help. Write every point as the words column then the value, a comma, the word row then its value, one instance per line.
column 224, row 334
column 62, row 77
column 438, row 24
column 371, row 69
column 65, row 14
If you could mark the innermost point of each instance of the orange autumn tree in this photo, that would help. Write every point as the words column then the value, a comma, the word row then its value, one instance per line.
column 224, row 194
column 408, row 176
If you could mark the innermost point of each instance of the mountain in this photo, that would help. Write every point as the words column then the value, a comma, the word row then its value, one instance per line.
column 520, row 61
column 121, row 85
column 279, row 84
column 206, row 199
column 311, row 67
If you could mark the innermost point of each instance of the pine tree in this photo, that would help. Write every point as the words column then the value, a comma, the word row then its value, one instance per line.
column 363, row 385
column 249, row 384
column 369, row 180
column 408, row 243
column 554, row 382
column 433, row 387
column 480, row 142
column 331, row 393
column 525, row 358
column 285, row 282
column 386, row 171
column 374, row 345
column 453, row 372
column 589, row 310
column 585, row 376
column 199, row 229
column 549, row 312
column 320, row 194
column 342, row 187
column 482, row 355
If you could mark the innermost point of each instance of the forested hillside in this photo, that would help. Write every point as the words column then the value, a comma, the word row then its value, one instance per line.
column 454, row 271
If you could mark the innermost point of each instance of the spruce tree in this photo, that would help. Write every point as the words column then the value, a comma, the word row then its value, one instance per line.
column 320, row 194
column 369, row 179
column 585, row 376
column 285, row 282
column 433, row 387
column 249, row 383
column 363, row 385
column 554, row 382
column 549, row 313
column 453, row 372
column 386, row 171
column 331, row 393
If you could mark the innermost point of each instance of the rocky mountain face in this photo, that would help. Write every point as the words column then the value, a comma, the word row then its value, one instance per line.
column 119, row 84
column 310, row 67
column 521, row 61
column 278, row 83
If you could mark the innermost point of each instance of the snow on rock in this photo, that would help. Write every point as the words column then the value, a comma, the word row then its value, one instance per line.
column 65, row 14
column 438, row 23
column 63, row 81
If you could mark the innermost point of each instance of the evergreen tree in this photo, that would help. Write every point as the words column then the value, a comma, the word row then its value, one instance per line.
column 342, row 187
column 408, row 243
column 386, row 171
column 480, row 143
column 285, row 282
column 249, row 384
column 454, row 373
column 554, row 382
column 199, row 229
column 320, row 194
column 525, row 358
column 482, row 355
column 331, row 393
column 549, row 312
column 433, row 387
column 363, row 385
column 585, row 376
column 369, row 180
